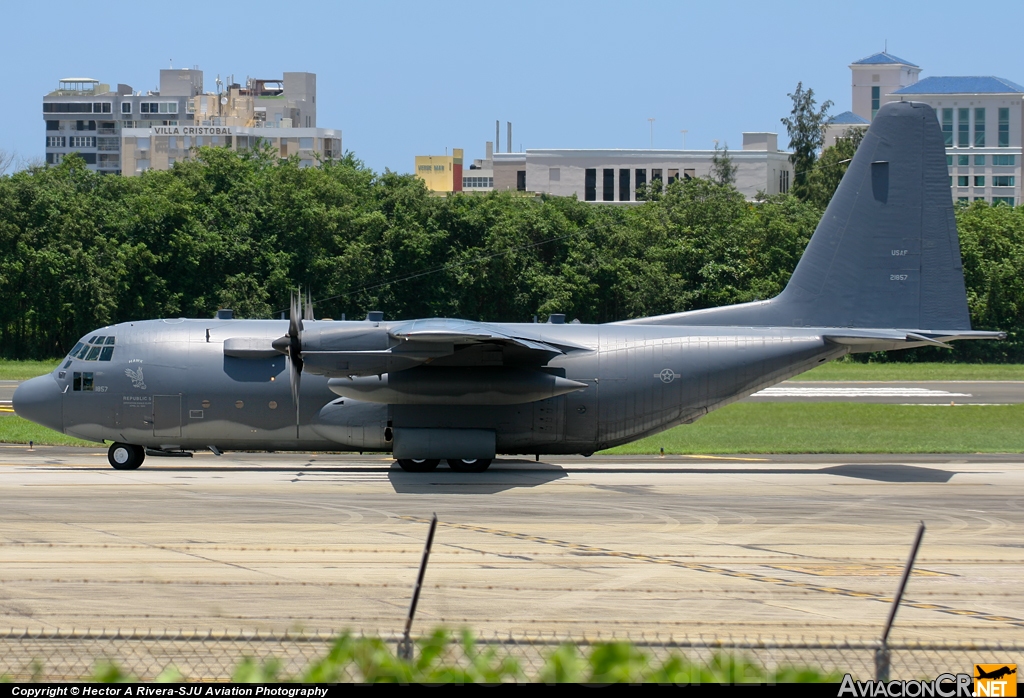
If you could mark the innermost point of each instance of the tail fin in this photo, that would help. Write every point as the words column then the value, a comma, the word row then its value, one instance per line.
column 886, row 253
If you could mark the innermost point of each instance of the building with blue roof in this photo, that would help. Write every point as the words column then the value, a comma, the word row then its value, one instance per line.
column 981, row 117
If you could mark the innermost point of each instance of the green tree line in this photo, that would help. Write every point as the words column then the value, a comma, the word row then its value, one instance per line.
column 241, row 229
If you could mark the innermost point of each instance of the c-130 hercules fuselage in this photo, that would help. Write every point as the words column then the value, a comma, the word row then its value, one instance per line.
column 882, row 271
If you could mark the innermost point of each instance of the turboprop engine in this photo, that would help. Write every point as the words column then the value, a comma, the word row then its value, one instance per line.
column 456, row 386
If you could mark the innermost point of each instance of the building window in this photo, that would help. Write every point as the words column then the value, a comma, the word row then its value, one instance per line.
column 1008, row 200
column 126, row 107
column 1004, row 127
column 689, row 173
column 101, row 107
column 784, row 181
column 172, row 142
column 965, row 199
column 54, row 158
column 108, row 143
column 521, row 180
column 1003, row 160
column 53, row 126
column 963, row 128
column 949, row 161
column 56, row 142
column 979, row 198
column 83, row 141
column 158, row 107
column 951, row 180
column 979, row 180
column 477, row 182
column 656, row 179
column 554, row 174
column 979, row 127
column 624, row 189
column 979, row 159
column 947, row 126
column 608, row 194
column 963, row 181
column 67, row 107
column 876, row 100
column 963, row 160
column 641, row 182
column 305, row 143
column 1002, row 181
column 673, row 176
column 590, row 185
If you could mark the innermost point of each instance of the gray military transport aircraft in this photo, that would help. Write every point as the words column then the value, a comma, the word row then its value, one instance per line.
column 882, row 271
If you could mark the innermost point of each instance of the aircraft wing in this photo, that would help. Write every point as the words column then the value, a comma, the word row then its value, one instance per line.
column 463, row 332
column 441, row 342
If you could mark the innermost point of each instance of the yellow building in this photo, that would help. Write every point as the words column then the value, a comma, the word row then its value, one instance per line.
column 442, row 173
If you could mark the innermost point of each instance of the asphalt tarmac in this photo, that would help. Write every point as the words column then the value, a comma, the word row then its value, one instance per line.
column 808, row 546
column 891, row 392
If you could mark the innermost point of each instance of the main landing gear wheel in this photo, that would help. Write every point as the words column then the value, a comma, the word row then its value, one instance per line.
column 125, row 456
column 469, row 465
column 417, row 465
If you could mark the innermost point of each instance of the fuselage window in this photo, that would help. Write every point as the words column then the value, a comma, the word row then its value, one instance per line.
column 81, row 381
column 97, row 349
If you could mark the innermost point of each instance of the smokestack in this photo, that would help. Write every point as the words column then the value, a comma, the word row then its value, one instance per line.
column 497, row 135
column 508, row 145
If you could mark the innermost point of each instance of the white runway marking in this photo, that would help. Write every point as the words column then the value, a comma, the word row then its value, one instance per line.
column 896, row 391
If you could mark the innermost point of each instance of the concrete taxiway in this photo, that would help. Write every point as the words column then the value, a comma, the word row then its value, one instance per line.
column 776, row 545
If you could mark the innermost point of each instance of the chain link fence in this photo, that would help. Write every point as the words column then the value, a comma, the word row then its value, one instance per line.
column 213, row 656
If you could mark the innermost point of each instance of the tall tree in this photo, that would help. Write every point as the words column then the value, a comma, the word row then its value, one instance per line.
column 823, row 180
column 723, row 170
column 804, row 125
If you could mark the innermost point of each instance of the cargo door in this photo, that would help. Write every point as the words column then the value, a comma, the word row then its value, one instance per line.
column 167, row 415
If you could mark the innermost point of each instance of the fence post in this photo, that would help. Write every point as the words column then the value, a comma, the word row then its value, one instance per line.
column 405, row 644
column 882, row 658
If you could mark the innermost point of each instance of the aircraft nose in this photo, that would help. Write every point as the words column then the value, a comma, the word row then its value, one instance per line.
column 39, row 400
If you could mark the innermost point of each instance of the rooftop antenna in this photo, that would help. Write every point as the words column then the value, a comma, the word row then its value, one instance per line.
column 886, row 45
column 218, row 82
column 171, row 60
column 651, row 119
column 683, row 131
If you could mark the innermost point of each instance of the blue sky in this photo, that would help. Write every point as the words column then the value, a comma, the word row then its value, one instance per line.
column 408, row 78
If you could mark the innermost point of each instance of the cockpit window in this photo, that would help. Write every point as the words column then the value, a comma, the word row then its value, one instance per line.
column 98, row 348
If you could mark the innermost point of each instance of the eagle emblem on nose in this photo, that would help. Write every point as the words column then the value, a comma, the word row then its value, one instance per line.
column 136, row 376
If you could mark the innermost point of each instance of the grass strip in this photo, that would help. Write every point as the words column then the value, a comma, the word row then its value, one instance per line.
column 23, row 370
column 775, row 427
column 853, row 371
column 843, row 427
column 15, row 430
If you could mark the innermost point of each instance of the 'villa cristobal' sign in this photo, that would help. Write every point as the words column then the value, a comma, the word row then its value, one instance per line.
column 193, row 130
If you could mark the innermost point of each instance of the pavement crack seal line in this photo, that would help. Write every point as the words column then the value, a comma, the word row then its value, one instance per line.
column 723, row 571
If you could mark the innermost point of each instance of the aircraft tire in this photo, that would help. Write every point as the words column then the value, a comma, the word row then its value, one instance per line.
column 125, row 456
column 418, row 465
column 469, row 465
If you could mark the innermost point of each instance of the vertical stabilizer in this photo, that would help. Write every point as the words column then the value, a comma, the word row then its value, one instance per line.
column 886, row 252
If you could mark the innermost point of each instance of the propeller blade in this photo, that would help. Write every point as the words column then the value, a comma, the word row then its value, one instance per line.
column 295, row 354
column 307, row 311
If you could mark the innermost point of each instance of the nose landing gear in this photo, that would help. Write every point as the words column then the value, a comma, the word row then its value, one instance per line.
column 125, row 456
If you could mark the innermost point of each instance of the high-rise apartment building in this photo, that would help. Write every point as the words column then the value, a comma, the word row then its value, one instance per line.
column 127, row 132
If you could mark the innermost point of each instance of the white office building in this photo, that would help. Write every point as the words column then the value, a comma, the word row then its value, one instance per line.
column 981, row 118
column 617, row 175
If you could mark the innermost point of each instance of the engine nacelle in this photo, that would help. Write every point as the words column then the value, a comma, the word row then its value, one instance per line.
column 362, row 426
